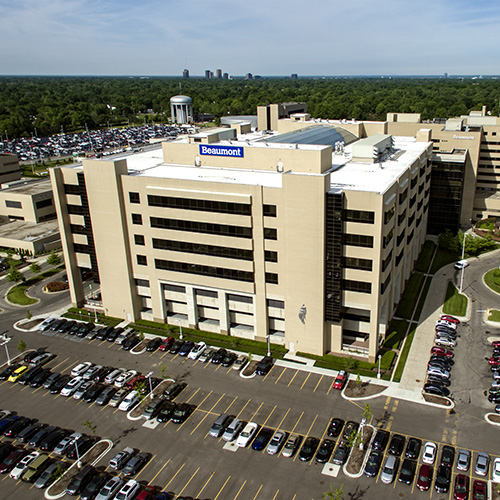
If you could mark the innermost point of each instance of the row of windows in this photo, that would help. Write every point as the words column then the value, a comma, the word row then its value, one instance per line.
column 44, row 203
column 401, row 217
column 278, row 304
column 13, row 204
column 387, row 261
column 202, row 249
column 385, row 285
column 359, row 216
column 207, row 293
column 389, row 214
column 357, row 317
column 355, row 263
column 140, row 282
column 174, row 288
column 221, row 207
column 358, row 240
column 357, row 286
column 215, row 272
column 240, row 298
column 201, row 227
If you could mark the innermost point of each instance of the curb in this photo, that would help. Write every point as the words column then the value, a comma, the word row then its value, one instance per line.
column 488, row 421
column 365, row 459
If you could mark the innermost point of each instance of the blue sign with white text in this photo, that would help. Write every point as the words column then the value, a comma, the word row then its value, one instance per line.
column 234, row 151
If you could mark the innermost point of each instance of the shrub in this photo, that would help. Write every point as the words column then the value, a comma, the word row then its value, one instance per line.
column 57, row 286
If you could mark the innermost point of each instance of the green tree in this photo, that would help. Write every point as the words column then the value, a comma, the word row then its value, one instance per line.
column 35, row 268
column 53, row 259
column 163, row 369
column 15, row 276
column 21, row 346
column 90, row 425
column 28, row 314
column 334, row 494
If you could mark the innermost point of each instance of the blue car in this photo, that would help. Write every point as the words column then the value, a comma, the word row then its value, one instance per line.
column 263, row 437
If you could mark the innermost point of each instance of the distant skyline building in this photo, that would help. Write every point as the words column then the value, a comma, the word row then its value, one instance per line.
column 225, row 76
column 185, row 73
column 249, row 76
column 218, row 74
column 207, row 73
column 294, row 76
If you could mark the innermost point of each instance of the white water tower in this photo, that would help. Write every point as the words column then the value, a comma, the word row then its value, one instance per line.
column 181, row 109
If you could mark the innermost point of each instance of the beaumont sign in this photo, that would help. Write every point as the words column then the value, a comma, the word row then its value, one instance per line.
column 236, row 151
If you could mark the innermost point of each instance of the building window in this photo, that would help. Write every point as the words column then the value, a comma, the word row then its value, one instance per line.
column 174, row 288
column 401, row 217
column 270, row 256
column 142, row 260
column 139, row 239
column 360, row 216
column 13, row 204
column 388, row 237
column 359, row 240
column 201, row 227
column 400, row 256
column 215, row 272
column 357, row 286
column 207, row 293
column 387, row 261
column 137, row 219
column 278, row 304
column 270, row 233
column 385, row 285
column 221, row 207
column 239, row 298
column 413, row 199
column 134, row 197
column 411, row 219
column 272, row 278
column 400, row 238
column 403, row 195
column 202, row 249
column 269, row 210
column 355, row 263
column 15, row 217
column 389, row 215
column 44, row 203
column 358, row 317
column 144, row 283
column 409, row 238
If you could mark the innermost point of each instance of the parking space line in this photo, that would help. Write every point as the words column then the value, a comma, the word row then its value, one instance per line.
column 223, row 486
column 276, row 494
column 319, row 381
column 258, row 491
column 204, row 399
column 283, row 419
column 297, row 423
column 205, row 485
column 304, row 383
column 295, row 374
column 145, row 467
column 272, row 411
column 256, row 411
column 63, row 361
column 241, row 411
column 239, row 491
column 231, row 404
column 229, row 369
column 187, row 484
column 199, row 388
column 314, row 421
column 174, row 476
column 267, row 374
column 281, row 374
column 164, row 465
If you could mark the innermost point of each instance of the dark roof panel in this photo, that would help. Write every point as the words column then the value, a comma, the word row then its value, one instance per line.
column 317, row 134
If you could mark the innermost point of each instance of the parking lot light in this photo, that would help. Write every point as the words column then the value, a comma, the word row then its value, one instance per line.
column 268, row 344
column 5, row 340
column 378, row 371
column 148, row 376
column 180, row 329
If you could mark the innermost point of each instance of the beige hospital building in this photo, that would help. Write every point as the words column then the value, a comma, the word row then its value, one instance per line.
column 304, row 230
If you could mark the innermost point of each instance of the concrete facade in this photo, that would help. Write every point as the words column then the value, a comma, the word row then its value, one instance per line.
column 9, row 168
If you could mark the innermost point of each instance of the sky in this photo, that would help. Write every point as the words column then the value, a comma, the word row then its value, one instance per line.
column 271, row 37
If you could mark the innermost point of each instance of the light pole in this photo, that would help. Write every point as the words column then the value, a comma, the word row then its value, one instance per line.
column 148, row 376
column 463, row 267
column 378, row 371
column 78, row 463
column 269, row 344
column 180, row 329
column 5, row 340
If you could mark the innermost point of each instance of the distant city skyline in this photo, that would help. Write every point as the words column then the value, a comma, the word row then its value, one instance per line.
column 156, row 38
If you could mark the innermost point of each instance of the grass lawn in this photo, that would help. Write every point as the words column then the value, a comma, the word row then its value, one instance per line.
column 404, row 356
column 494, row 315
column 408, row 301
column 17, row 295
column 396, row 330
column 421, row 302
column 454, row 304
column 442, row 258
column 492, row 279
column 424, row 259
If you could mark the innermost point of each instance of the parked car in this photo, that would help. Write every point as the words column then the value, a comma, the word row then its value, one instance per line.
column 118, row 397
column 247, row 434
column 276, row 442
column 59, row 384
column 80, row 369
column 130, row 400
column 176, row 346
column 11, row 460
column 232, row 430
column 390, row 469
column 206, row 355
column 109, row 490
column 443, row 477
column 413, row 448
column 482, row 463
column 262, row 438
column 424, row 479
column 463, row 460
column 240, row 362
column 324, row 451
column 186, row 348
column 495, row 470
column 152, row 409
column 121, row 458
column 218, row 356
column 125, row 377
column 335, row 427
column 181, row 413
column 166, row 411
column 444, row 342
column 479, row 490
column 447, row 455
column 451, row 319
column 340, row 380
column 407, row 471
column 65, row 443
column 264, row 365
column 50, row 474
column 136, row 463
column 381, row 440
column 341, row 453
column 173, row 390
column 308, row 448
column 290, row 446
column 229, row 359
column 396, row 445
column 22, row 465
column 153, row 344
column 79, row 481
column 373, row 463
column 128, row 491
column 70, row 388
column 166, row 344
column 437, row 390
column 105, row 396
column 220, row 424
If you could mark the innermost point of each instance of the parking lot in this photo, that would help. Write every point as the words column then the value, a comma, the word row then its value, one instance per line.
column 186, row 461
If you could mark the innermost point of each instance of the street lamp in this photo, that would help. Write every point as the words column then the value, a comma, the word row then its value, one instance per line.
column 148, row 376
column 5, row 340
column 78, row 462
column 180, row 329
column 269, row 344
column 378, row 371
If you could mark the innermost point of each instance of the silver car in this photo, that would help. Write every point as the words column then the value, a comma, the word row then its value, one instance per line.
column 463, row 460
column 482, row 463
column 275, row 444
column 232, row 430
column 110, row 488
column 290, row 446
column 389, row 470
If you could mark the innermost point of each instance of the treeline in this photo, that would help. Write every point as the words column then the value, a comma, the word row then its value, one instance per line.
column 47, row 105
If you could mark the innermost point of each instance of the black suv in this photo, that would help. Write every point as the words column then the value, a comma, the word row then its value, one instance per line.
column 265, row 364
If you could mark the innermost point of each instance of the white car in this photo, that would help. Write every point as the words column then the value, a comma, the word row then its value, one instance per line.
column 449, row 324
column 125, row 377
column 495, row 384
column 111, row 377
column 445, row 342
column 435, row 370
column 429, row 454
column 70, row 388
column 80, row 369
column 197, row 350
column 129, row 401
column 495, row 470
column 461, row 264
column 128, row 491
column 18, row 470
column 87, row 384
column 247, row 434
column 62, row 446
column 109, row 490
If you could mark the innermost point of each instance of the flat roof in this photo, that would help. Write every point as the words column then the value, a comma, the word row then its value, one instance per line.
column 30, row 187
column 374, row 177
column 21, row 230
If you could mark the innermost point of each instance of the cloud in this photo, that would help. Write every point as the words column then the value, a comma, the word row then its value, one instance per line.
column 270, row 38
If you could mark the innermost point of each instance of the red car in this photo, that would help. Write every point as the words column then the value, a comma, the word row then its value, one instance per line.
column 441, row 351
column 131, row 384
column 340, row 380
column 166, row 344
column 451, row 319
column 461, row 490
column 495, row 343
column 147, row 493
column 424, row 477
column 479, row 490
column 494, row 361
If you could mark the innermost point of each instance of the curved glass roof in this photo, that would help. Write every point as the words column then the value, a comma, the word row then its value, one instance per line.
column 324, row 135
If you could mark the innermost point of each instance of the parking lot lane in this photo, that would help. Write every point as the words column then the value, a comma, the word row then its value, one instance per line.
column 223, row 486
column 239, row 491
column 205, row 484
column 296, row 423
column 187, row 484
